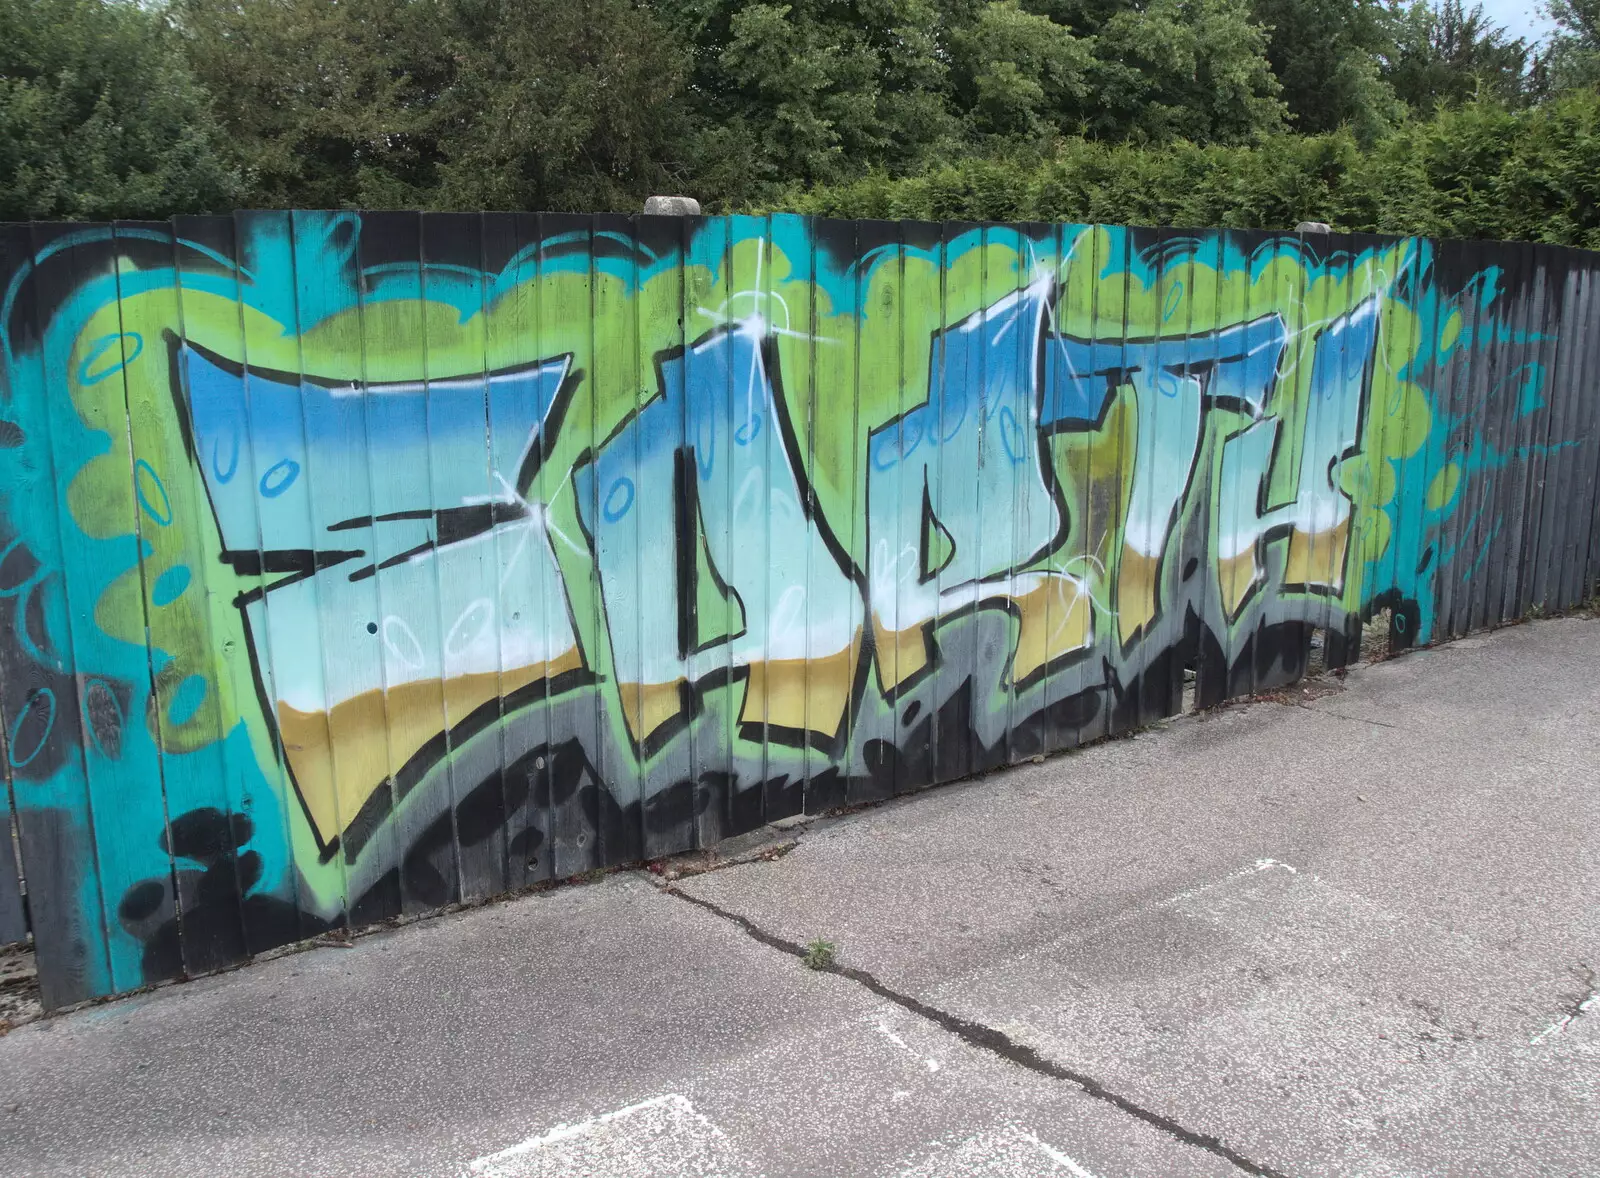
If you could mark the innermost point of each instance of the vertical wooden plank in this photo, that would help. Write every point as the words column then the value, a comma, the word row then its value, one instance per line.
column 1031, row 562
column 1122, row 694
column 1586, row 557
column 540, row 768
column 364, row 470
column 1588, row 544
column 849, row 249
column 752, row 265
column 406, row 480
column 1198, row 574
column 1188, row 516
column 614, row 270
column 995, row 280
column 1543, row 433
column 1563, row 488
column 783, row 431
column 14, row 924
column 466, row 555
column 1349, row 267
column 928, row 731
column 1369, row 543
column 1540, row 584
column 1580, row 426
column 44, row 736
column 485, row 817
column 226, row 816
column 258, row 532
column 717, row 748
column 1030, row 727
column 198, row 821
column 1483, row 366
column 1152, row 454
column 1394, row 340
column 747, row 290
column 953, row 385
column 1096, row 309
column 877, row 262
column 13, row 909
column 1417, row 564
column 1535, row 431
column 13, row 914
column 716, row 456
column 305, row 635
column 751, row 418
column 1023, row 436
column 579, row 722
column 969, row 370
column 1081, row 307
column 1528, row 430
column 793, row 310
column 701, row 250
column 500, row 811
column 1325, row 301
column 1489, row 369
column 926, row 725
column 1504, row 505
column 1521, row 317
column 108, row 527
column 664, row 782
column 1138, row 579
column 282, row 917
column 834, row 357
column 1576, row 511
column 438, row 367
column 1456, row 335
column 1513, row 467
column 1171, row 602
column 899, row 392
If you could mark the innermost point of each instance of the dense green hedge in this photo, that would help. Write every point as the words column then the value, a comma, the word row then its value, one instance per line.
column 1476, row 171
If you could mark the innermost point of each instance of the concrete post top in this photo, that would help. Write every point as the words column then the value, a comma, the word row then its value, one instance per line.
column 672, row 206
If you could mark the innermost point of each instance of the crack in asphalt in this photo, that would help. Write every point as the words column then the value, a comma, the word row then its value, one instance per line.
column 1310, row 707
column 994, row 1041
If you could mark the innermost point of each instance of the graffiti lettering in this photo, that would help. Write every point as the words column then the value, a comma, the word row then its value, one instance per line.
column 342, row 606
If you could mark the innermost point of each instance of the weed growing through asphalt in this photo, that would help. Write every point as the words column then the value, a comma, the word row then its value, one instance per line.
column 820, row 954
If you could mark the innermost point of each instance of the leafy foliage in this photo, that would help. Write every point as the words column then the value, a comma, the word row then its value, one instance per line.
column 1473, row 171
column 100, row 115
column 1373, row 114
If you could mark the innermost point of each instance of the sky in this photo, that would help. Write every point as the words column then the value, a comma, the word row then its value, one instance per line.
column 1521, row 18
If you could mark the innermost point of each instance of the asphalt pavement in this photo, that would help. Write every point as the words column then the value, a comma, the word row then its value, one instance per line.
column 1349, row 931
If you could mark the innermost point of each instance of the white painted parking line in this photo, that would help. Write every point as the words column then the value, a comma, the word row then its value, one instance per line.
column 659, row 1138
column 1009, row 1152
column 927, row 1061
column 1561, row 1023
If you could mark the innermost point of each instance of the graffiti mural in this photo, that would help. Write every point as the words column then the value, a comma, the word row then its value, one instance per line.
column 353, row 565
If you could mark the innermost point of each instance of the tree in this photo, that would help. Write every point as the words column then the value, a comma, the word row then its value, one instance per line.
column 812, row 89
column 1190, row 69
column 1151, row 72
column 326, row 104
column 1448, row 54
column 100, row 116
column 1020, row 73
column 1326, row 55
column 1574, row 49
column 559, row 105
column 519, row 104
